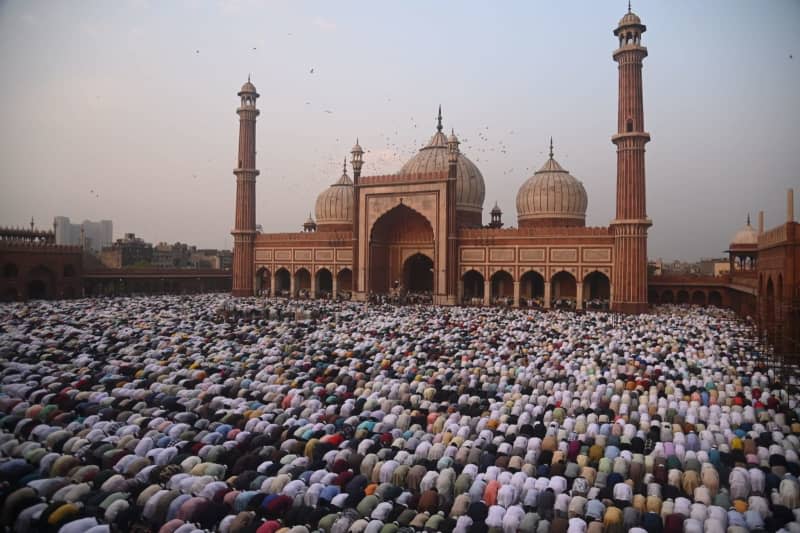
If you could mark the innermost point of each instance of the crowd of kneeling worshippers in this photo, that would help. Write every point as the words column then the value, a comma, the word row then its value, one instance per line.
column 152, row 414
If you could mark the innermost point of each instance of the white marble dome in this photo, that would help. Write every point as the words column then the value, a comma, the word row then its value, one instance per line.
column 335, row 204
column 552, row 195
column 470, row 188
column 747, row 236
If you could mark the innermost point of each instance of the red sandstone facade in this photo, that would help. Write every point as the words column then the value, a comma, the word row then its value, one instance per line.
column 419, row 230
column 763, row 282
column 631, row 223
column 39, row 270
column 244, row 230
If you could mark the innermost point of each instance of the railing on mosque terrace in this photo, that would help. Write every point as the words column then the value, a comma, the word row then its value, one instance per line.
column 779, row 235
column 112, row 282
column 26, row 234
column 746, row 282
column 506, row 233
column 385, row 179
column 688, row 279
column 130, row 273
column 328, row 238
column 22, row 245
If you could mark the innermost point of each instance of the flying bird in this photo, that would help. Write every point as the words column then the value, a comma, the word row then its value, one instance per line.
column 197, row 51
column 328, row 111
column 311, row 71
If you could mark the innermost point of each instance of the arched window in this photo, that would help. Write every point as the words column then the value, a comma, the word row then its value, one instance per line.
column 629, row 125
column 10, row 270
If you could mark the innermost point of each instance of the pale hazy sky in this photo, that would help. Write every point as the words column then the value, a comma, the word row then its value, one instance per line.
column 135, row 100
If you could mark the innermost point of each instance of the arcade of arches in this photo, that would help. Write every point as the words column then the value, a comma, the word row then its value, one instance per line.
column 686, row 296
column 323, row 284
column 531, row 290
column 36, row 281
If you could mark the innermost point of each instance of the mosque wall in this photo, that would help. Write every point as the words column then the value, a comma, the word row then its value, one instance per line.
column 291, row 255
column 43, row 271
column 578, row 251
column 579, row 261
column 778, row 270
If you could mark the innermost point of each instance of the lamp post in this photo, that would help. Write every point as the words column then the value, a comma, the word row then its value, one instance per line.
column 357, row 161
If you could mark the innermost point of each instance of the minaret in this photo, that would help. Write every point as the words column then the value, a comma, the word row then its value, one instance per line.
column 451, row 260
column 629, row 277
column 244, row 230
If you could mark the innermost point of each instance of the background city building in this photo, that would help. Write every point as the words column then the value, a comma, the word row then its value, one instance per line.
column 128, row 251
column 89, row 235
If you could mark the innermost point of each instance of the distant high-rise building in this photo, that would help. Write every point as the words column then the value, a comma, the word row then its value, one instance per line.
column 90, row 235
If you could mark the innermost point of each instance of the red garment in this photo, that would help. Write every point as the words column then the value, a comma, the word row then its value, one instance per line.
column 270, row 526
column 490, row 493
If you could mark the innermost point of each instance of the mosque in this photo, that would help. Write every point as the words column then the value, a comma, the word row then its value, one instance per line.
column 420, row 230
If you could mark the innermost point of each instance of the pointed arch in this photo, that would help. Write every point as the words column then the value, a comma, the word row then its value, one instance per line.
column 564, row 289
column 699, row 298
column 597, row 289
column 344, row 281
column 473, row 283
column 418, row 274
column 715, row 298
column 502, row 286
column 302, row 282
column 531, row 289
column 324, row 282
column 263, row 281
column 283, row 282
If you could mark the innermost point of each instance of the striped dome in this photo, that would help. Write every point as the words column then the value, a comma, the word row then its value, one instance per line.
column 470, row 188
column 552, row 194
column 335, row 204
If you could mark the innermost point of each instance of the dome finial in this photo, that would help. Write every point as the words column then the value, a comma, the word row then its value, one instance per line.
column 629, row 6
column 551, row 147
column 439, row 119
column 748, row 219
column 344, row 164
column 248, row 77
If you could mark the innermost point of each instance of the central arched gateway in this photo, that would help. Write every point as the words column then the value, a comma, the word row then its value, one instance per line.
column 397, row 237
column 418, row 273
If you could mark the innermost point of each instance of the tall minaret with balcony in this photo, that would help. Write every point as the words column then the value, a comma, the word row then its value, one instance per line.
column 629, row 277
column 244, row 230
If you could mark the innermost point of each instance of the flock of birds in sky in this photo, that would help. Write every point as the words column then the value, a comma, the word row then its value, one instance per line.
column 395, row 149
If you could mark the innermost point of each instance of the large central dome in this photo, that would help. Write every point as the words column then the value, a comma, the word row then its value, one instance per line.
column 470, row 189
